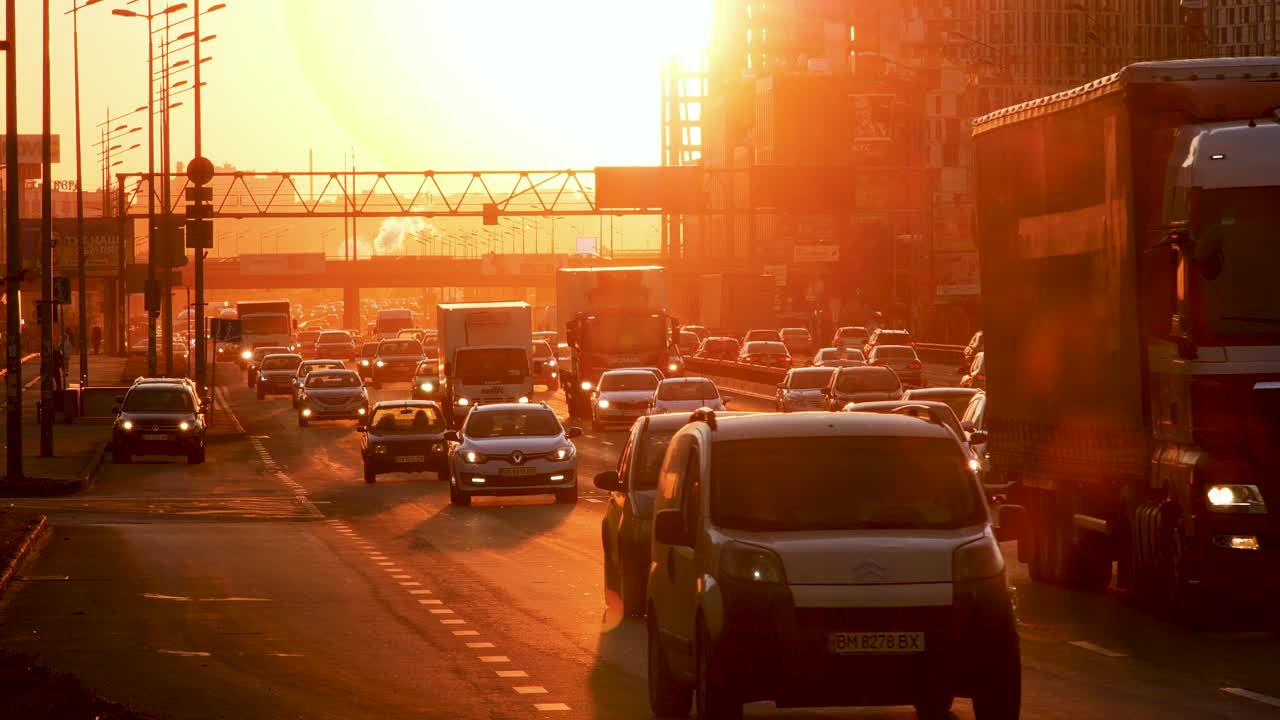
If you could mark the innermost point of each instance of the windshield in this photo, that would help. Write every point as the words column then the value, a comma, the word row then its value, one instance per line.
column 334, row 337
column 281, row 363
column 265, row 351
column 852, row 333
column 846, row 354
column 401, row 347
column 369, row 349
column 413, row 420
column 810, row 379
column 158, row 401
column 765, row 348
column 512, row 423
column 428, row 367
column 721, row 346
column 867, row 380
column 623, row 382
column 265, row 325
column 650, row 451
column 308, row 337
column 897, row 353
column 897, row 482
column 624, row 334
column 312, row 367
column 541, row 351
column 893, row 338
column 763, row 335
column 492, row 366
column 1240, row 303
column 333, row 380
column 688, row 390
column 394, row 323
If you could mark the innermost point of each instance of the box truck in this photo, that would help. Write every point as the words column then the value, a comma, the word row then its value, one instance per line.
column 484, row 354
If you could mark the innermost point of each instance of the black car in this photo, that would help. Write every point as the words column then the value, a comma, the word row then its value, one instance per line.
column 365, row 357
column 396, row 361
column 404, row 436
column 719, row 348
column 254, row 364
column 627, row 520
column 861, row 384
column 158, row 419
column 427, row 384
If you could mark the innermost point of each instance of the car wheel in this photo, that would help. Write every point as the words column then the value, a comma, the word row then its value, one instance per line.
column 196, row 457
column 445, row 473
column 937, row 706
column 1000, row 695
column 369, row 475
column 302, row 422
column 668, row 697
column 120, row 456
column 457, row 497
column 631, row 585
column 567, row 497
column 261, row 394
column 250, row 380
column 715, row 701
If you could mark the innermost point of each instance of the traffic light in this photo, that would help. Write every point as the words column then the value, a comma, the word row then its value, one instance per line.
column 490, row 214
column 199, row 212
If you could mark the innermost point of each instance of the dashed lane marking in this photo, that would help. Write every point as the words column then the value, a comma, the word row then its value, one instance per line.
column 1250, row 695
column 1086, row 645
column 494, row 659
column 530, row 689
column 465, row 633
column 593, row 500
column 184, row 653
column 274, row 468
column 480, row 645
column 430, row 602
column 453, row 621
column 512, row 673
column 409, row 582
column 441, row 611
column 419, row 591
column 550, row 707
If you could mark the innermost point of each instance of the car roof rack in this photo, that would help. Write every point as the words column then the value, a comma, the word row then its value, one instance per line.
column 704, row 415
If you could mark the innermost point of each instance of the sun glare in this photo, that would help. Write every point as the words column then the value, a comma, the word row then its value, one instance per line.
column 556, row 83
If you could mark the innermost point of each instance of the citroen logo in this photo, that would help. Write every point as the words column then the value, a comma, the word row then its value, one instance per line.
column 517, row 458
column 870, row 570
column 155, row 427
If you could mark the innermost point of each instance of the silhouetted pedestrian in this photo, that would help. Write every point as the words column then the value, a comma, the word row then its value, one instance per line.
column 95, row 339
column 57, row 360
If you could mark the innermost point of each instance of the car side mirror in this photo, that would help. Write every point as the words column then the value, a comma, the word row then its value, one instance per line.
column 362, row 426
column 668, row 528
column 368, row 383
column 115, row 411
column 725, row 401
column 119, row 398
column 782, row 386
column 609, row 481
column 978, row 437
column 573, row 432
column 967, row 426
column 452, row 436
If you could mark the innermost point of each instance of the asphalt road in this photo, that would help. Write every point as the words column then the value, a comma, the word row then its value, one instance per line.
column 273, row 582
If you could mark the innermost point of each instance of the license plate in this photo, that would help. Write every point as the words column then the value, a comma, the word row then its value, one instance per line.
column 152, row 436
column 875, row 643
column 517, row 471
column 411, row 458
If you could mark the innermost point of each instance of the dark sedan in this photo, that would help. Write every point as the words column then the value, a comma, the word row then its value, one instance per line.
column 719, row 348
column 862, row 384
column 404, row 436
column 396, row 361
column 766, row 354
column 427, row 384
column 364, row 360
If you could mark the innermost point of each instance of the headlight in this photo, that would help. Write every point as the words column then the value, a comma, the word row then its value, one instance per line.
column 673, row 367
column 977, row 560
column 306, row 412
column 604, row 404
column 361, row 411
column 473, row 458
column 551, row 363
column 126, row 425
column 463, row 402
column 754, row 564
column 364, row 363
column 1236, row 499
column 379, row 449
column 564, row 453
column 184, row 426
column 974, row 465
column 247, row 354
column 426, row 387
column 380, row 364
column 586, row 385
column 523, row 399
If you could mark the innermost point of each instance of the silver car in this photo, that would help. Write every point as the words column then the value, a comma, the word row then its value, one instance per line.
column 309, row 366
column 275, row 375
column 839, row 357
column 901, row 359
column 623, row 396
column 332, row 395
column 801, row 390
column 513, row 449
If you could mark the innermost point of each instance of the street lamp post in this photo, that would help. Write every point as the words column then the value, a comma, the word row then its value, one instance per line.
column 81, row 270
column 13, row 259
column 46, row 252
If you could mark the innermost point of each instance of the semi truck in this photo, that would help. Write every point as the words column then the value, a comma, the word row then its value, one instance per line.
column 613, row 317
column 1132, row 330
column 484, row 354
column 733, row 303
column 263, row 322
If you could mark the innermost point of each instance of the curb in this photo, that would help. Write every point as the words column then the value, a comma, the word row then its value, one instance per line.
column 23, row 550
column 95, row 462
column 53, row 487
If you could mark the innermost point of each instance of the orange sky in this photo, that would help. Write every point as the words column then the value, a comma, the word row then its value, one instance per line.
column 444, row 84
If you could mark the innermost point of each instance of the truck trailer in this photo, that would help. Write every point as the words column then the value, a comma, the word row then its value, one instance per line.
column 613, row 317
column 1132, row 331
column 484, row 354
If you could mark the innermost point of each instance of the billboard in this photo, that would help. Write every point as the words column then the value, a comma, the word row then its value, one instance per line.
column 102, row 244
column 29, row 152
column 955, row 274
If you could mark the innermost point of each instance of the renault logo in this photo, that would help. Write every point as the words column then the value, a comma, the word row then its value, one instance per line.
column 870, row 570
column 517, row 458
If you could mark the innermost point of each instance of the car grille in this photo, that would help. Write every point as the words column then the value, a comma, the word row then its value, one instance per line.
column 631, row 405
column 160, row 426
column 868, row 619
column 341, row 400
column 806, row 404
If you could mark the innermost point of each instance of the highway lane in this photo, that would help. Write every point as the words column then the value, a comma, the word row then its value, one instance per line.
column 395, row 604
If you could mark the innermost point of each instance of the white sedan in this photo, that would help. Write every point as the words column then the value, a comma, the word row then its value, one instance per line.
column 681, row 395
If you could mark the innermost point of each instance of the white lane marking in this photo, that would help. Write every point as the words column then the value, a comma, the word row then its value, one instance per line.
column 286, row 655
column 157, row 596
column 480, row 645
column 430, row 602
column 1086, row 645
column 512, row 673
column 530, row 689
column 419, row 592
column 377, row 556
column 494, row 659
column 409, row 582
column 394, row 570
column 184, row 653
column 183, row 598
column 550, row 707
column 401, row 577
column 453, row 621
column 1250, row 695
column 465, row 633
column 593, row 500
column 441, row 611
column 607, row 442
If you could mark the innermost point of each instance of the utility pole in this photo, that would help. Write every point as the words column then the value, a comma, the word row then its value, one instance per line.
column 47, row 305
column 152, row 295
column 168, row 227
column 81, row 269
column 13, row 269
column 200, row 235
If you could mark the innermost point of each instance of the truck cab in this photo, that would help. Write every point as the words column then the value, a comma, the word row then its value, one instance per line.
column 263, row 323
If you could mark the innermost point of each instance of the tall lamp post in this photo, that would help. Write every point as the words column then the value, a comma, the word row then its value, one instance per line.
column 13, row 259
column 81, row 270
column 154, row 296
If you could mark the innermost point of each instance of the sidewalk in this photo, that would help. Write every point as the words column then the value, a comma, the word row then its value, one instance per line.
column 77, row 447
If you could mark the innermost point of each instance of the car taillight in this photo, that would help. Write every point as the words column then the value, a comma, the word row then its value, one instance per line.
column 913, row 365
column 980, row 377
